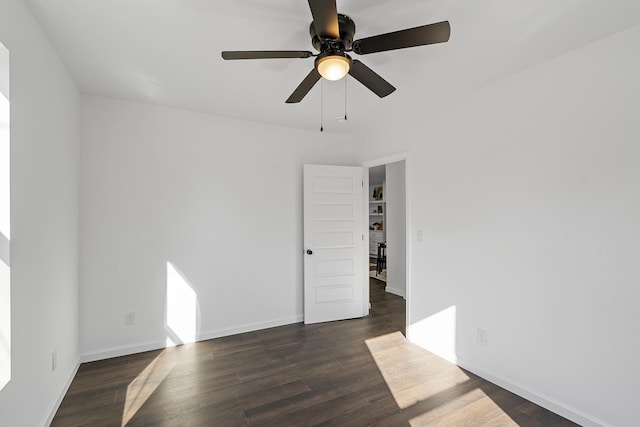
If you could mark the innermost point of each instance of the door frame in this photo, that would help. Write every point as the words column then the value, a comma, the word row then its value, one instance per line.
column 379, row 162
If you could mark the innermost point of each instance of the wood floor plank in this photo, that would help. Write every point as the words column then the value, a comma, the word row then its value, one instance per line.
column 363, row 415
column 348, row 373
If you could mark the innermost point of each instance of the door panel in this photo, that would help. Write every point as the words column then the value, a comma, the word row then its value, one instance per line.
column 333, row 233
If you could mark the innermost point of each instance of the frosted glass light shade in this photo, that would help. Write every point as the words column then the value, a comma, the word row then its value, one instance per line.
column 333, row 67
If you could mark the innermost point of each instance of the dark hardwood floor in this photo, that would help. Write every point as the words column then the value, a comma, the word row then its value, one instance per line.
column 350, row 373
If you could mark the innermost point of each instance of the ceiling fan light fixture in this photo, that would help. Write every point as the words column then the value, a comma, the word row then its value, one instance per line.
column 332, row 35
column 333, row 65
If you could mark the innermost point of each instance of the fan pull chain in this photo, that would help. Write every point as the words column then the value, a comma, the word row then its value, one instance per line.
column 345, row 98
column 321, row 104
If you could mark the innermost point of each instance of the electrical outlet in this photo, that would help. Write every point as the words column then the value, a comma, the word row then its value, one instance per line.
column 54, row 360
column 482, row 337
column 130, row 318
column 420, row 236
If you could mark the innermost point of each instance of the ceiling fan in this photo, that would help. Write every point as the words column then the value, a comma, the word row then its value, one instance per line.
column 332, row 35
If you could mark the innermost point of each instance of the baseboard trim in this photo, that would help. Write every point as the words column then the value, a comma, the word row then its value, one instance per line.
column 395, row 291
column 250, row 327
column 560, row 408
column 112, row 352
column 569, row 412
column 65, row 388
column 536, row 397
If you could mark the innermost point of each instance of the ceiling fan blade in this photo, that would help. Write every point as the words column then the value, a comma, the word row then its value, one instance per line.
column 325, row 18
column 370, row 79
column 418, row 36
column 303, row 88
column 265, row 54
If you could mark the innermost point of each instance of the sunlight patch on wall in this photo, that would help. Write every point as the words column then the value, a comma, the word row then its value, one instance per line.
column 5, row 222
column 437, row 333
column 5, row 325
column 5, row 165
column 146, row 383
column 182, row 306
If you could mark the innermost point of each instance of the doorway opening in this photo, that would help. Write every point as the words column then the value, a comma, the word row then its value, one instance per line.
column 388, row 236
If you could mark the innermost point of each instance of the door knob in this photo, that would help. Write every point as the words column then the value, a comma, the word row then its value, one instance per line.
column 309, row 252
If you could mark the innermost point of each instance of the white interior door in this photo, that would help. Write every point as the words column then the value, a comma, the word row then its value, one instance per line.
column 334, row 243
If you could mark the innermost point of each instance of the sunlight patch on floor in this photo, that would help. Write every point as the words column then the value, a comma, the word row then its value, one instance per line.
column 440, row 392
column 483, row 411
column 411, row 373
column 145, row 384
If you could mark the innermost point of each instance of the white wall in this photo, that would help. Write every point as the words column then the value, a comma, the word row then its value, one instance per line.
column 527, row 193
column 219, row 199
column 396, row 228
column 44, row 220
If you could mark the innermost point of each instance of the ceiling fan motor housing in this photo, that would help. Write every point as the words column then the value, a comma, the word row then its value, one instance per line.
column 347, row 31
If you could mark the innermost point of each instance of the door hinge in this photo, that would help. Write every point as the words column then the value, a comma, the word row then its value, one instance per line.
column 362, row 184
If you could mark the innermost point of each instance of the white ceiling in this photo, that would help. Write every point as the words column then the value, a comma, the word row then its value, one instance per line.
column 168, row 52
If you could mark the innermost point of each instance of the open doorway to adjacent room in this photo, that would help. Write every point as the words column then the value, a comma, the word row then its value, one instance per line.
column 387, row 216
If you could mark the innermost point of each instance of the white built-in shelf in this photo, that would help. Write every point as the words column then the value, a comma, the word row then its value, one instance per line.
column 377, row 219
